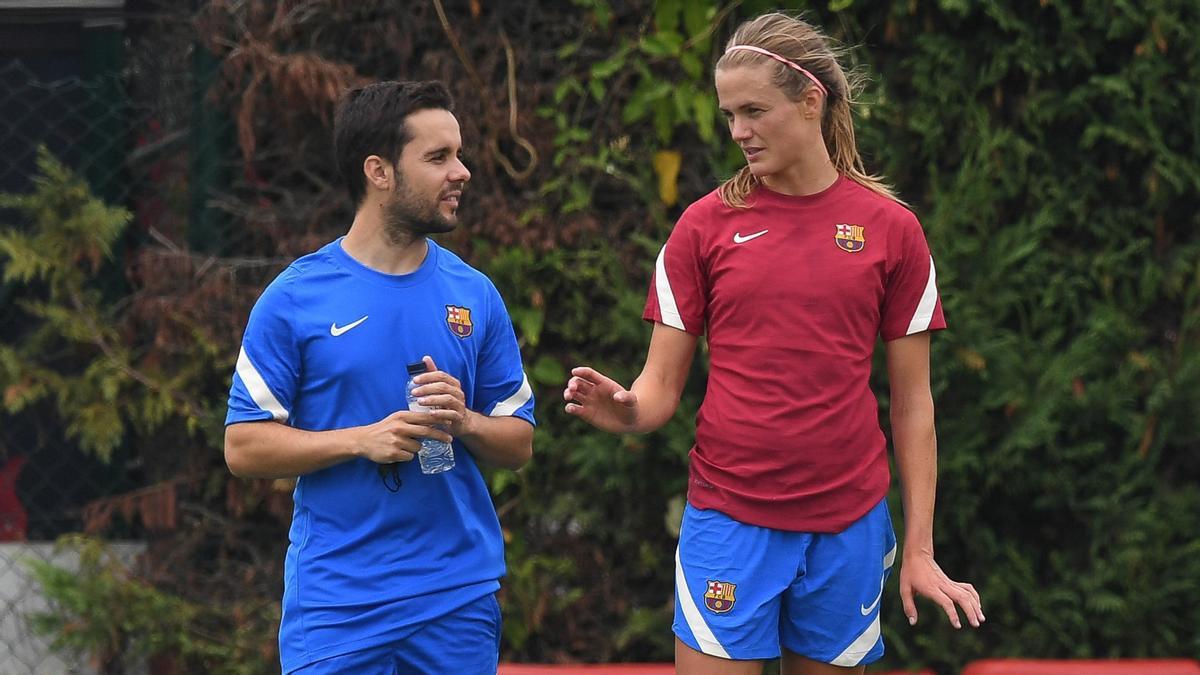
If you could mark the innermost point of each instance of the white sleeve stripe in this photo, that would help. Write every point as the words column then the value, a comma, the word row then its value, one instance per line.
column 666, row 299
column 258, row 389
column 513, row 403
column 695, row 620
column 924, row 313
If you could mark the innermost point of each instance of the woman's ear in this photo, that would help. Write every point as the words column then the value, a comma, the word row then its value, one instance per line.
column 811, row 102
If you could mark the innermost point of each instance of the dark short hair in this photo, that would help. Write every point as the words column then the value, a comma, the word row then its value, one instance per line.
column 370, row 120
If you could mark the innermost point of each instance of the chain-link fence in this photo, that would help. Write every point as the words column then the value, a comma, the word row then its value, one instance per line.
column 116, row 102
column 43, row 491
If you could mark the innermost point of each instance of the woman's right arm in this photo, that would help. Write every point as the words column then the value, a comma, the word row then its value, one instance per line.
column 654, row 396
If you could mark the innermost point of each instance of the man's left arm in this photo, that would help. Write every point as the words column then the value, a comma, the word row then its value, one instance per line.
column 503, row 442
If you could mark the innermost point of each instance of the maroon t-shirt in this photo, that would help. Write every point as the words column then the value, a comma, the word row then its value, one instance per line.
column 792, row 293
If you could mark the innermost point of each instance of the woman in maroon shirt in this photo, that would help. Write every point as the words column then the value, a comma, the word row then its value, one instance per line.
column 792, row 269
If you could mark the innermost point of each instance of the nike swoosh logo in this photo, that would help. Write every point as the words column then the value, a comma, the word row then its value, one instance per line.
column 336, row 330
column 887, row 565
column 739, row 239
column 867, row 610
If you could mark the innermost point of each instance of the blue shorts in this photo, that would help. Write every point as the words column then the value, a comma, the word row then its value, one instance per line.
column 465, row 641
column 742, row 591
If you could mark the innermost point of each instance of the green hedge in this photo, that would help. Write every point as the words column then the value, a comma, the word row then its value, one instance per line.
column 1051, row 153
column 1049, row 148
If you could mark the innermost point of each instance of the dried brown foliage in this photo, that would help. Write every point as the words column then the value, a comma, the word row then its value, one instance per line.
column 154, row 507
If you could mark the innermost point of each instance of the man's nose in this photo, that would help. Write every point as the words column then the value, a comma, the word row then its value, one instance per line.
column 459, row 173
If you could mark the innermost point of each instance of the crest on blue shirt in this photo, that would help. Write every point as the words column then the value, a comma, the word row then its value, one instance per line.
column 719, row 596
column 849, row 238
column 459, row 320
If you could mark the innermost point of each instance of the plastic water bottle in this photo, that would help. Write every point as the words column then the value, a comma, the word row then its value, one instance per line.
column 435, row 456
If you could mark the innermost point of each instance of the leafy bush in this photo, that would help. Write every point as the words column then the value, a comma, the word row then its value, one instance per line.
column 105, row 611
column 1050, row 149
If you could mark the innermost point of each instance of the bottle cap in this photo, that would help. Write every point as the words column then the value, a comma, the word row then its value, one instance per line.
column 416, row 368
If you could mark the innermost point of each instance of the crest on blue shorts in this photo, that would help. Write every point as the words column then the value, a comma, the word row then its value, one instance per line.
column 459, row 320
column 849, row 238
column 719, row 596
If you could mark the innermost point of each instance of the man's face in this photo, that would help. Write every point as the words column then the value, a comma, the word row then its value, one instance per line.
column 430, row 177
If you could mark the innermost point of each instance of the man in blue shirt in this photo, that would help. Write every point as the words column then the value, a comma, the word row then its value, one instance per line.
column 388, row 569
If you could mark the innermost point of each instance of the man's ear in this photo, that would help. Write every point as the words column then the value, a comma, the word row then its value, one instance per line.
column 379, row 173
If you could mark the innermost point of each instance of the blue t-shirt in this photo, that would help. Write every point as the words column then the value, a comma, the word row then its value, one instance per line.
column 326, row 348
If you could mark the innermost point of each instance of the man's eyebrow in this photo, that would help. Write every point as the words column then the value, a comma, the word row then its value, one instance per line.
column 445, row 149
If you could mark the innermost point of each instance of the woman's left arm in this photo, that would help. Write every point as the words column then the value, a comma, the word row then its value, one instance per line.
column 916, row 459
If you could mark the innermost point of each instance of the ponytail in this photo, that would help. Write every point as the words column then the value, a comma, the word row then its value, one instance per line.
column 837, row 127
column 734, row 191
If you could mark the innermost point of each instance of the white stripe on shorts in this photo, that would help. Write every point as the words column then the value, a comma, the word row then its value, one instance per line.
column 863, row 643
column 703, row 634
column 860, row 647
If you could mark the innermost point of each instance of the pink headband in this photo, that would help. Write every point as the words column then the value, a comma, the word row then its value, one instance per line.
column 786, row 62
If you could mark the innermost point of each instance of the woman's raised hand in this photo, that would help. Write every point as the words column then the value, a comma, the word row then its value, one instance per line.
column 600, row 401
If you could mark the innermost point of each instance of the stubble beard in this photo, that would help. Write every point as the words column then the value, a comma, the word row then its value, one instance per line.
column 406, row 218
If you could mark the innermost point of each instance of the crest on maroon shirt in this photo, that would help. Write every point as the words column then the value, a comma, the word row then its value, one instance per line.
column 849, row 238
column 719, row 596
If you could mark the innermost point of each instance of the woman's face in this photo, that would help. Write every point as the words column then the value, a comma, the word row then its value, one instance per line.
column 774, row 132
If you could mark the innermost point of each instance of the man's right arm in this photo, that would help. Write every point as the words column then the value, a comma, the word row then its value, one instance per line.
column 270, row 449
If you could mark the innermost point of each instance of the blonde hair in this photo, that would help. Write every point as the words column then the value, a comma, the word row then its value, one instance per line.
column 807, row 47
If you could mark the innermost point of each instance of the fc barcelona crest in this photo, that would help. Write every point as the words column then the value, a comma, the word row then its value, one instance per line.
column 719, row 597
column 459, row 320
column 849, row 238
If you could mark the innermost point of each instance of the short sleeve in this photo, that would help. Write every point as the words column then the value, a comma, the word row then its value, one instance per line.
column 501, row 386
column 268, row 366
column 911, row 303
column 678, row 290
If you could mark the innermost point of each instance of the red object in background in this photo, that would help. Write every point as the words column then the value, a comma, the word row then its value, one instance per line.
column 1083, row 667
column 13, row 519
